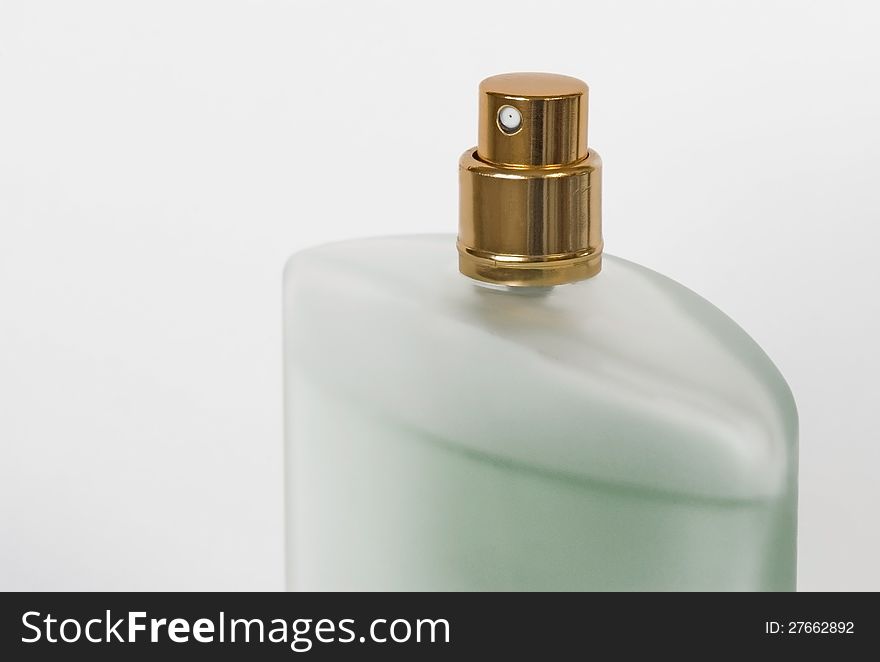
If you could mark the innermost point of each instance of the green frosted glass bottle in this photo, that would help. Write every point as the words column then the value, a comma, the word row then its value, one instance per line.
column 524, row 413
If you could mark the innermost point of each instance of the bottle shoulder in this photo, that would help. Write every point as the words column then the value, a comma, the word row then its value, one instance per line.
column 625, row 377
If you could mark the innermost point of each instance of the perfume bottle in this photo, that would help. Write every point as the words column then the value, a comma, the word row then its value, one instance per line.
column 515, row 410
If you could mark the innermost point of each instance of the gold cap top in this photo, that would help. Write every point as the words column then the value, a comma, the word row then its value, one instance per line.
column 549, row 115
column 530, row 198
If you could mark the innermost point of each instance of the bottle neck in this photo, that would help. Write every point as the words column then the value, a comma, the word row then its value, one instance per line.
column 497, row 288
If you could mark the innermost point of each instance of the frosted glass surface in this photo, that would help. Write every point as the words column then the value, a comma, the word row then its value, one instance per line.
column 620, row 433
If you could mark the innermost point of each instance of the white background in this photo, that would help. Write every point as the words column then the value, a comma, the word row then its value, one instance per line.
column 159, row 160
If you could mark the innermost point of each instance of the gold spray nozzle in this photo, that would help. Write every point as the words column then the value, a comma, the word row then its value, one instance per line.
column 532, row 120
column 530, row 193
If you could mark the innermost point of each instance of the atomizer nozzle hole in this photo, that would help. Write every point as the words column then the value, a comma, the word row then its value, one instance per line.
column 509, row 119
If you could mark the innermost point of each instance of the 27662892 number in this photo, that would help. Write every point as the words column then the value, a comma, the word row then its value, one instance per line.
column 809, row 627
